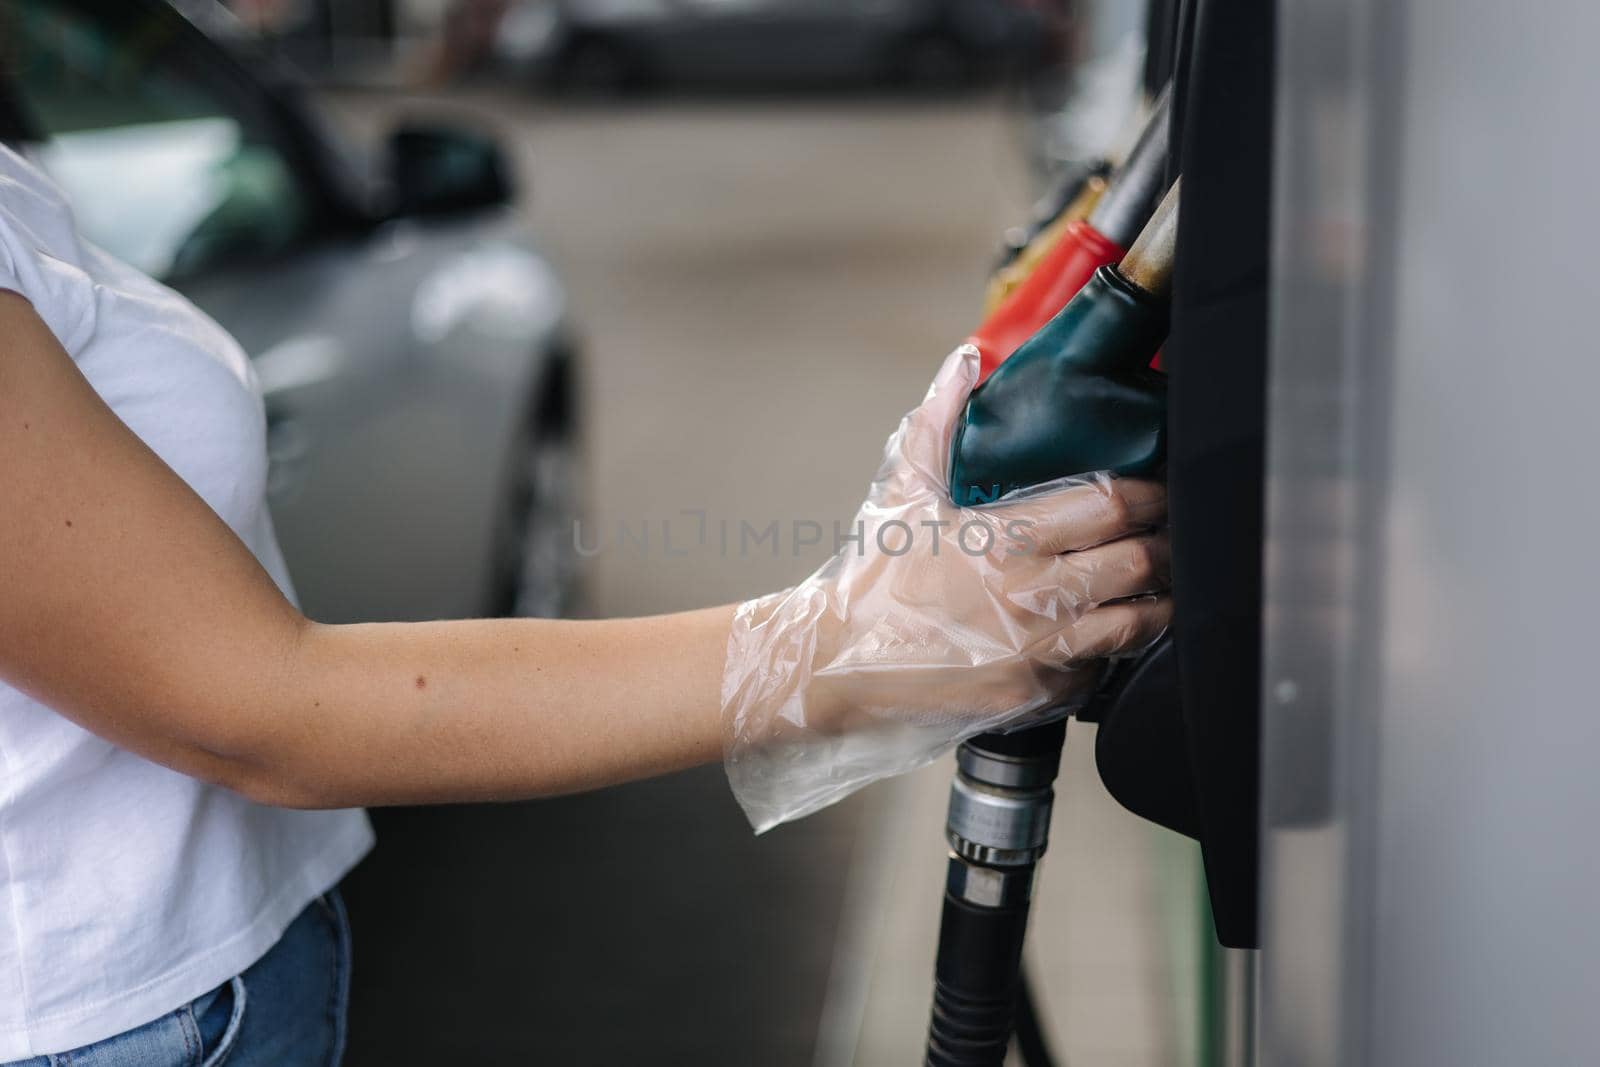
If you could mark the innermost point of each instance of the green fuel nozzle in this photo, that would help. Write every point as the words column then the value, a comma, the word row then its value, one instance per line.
column 1079, row 396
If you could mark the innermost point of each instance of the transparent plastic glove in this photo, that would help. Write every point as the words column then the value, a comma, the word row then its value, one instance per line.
column 938, row 624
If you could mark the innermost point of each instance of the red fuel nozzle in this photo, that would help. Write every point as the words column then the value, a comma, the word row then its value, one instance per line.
column 1022, row 260
column 1081, row 251
column 1085, row 247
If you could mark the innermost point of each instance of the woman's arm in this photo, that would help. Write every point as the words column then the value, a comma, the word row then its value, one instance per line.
column 129, row 607
column 492, row 709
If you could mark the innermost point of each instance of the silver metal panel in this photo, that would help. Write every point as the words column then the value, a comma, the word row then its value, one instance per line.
column 1431, row 726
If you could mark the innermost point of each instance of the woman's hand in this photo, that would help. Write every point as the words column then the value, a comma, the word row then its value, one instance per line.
column 938, row 623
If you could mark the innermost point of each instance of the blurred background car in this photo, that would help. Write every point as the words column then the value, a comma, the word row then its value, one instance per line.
column 617, row 44
column 411, row 341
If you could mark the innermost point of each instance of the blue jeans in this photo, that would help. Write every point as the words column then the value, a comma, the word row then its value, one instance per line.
column 287, row 1010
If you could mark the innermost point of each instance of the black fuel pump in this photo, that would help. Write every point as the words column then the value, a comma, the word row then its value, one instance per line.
column 1091, row 364
column 1178, row 737
column 1178, row 740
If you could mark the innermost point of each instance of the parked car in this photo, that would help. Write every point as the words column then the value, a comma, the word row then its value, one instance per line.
column 412, row 343
column 618, row 44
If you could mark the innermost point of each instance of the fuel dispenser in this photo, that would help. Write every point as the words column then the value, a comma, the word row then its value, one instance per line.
column 1178, row 727
column 1093, row 360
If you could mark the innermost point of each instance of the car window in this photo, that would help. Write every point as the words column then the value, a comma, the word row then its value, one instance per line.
column 159, row 152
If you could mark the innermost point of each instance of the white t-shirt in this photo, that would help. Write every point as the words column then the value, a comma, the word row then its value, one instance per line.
column 127, row 889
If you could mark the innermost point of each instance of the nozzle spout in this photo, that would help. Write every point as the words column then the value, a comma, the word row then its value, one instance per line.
column 1148, row 263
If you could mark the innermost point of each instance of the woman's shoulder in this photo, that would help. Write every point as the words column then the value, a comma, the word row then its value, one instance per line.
column 34, row 212
column 42, row 257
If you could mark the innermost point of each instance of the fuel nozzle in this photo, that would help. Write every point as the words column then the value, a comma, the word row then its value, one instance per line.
column 1079, row 396
column 1083, row 246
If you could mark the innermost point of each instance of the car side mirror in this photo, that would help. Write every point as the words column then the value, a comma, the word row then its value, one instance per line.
column 438, row 169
